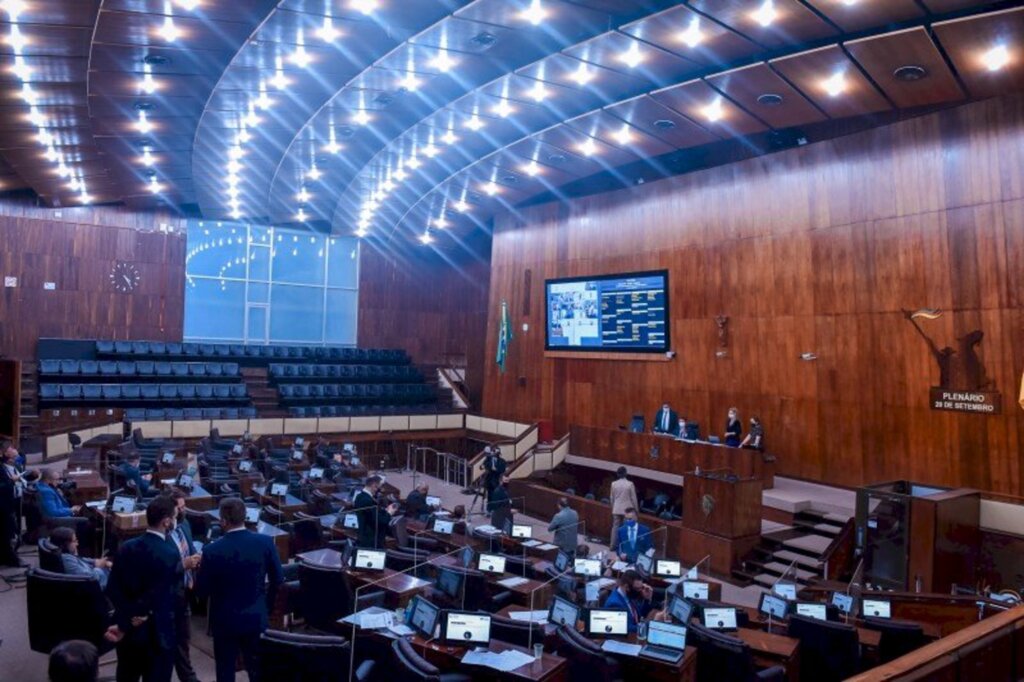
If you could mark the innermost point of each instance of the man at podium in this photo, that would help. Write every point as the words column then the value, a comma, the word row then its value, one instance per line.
column 666, row 421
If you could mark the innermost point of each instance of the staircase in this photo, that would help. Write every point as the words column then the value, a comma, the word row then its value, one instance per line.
column 264, row 397
column 801, row 545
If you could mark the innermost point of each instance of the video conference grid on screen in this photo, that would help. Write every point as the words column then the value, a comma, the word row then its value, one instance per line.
column 627, row 312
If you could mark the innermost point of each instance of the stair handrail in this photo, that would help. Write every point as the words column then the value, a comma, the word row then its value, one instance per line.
column 843, row 540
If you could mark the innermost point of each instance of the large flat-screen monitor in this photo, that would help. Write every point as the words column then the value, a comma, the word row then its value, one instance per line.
column 626, row 312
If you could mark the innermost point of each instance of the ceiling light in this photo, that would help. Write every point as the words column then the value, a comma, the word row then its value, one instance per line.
column 365, row 6
column 303, row 196
column 835, row 85
column 409, row 82
column 169, row 32
column 440, row 222
column 85, row 198
column 263, row 101
column 442, row 62
column 588, row 147
column 51, row 154
column 624, row 136
column 996, row 58
column 63, row 171
column 400, row 175
column 714, row 111
column 29, row 95
column 535, row 13
column 474, row 123
column 413, row 163
column 692, row 36
column 332, row 147
column 13, row 8
column 252, row 119
column 449, row 137
column 430, row 151
column 490, row 188
column 361, row 117
column 327, row 32
column 143, row 125
column 388, row 185
column 765, row 14
column 532, row 169
column 236, row 215
column 188, row 4
column 582, row 75
column 300, row 57
column 538, row 92
column 35, row 117
column 20, row 68
column 244, row 136
column 426, row 238
column 75, row 184
column 234, row 166
column 154, row 186
column 632, row 57
column 301, row 216
column 503, row 108
column 460, row 206
column 279, row 81
column 361, row 232
column 148, row 84
column 16, row 40
column 314, row 173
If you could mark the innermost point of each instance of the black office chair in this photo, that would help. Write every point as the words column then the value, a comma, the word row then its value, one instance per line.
column 897, row 637
column 272, row 515
column 326, row 595
column 292, row 657
column 721, row 657
column 306, row 535
column 828, row 651
column 63, row 607
column 520, row 633
column 585, row 659
column 49, row 556
column 411, row 666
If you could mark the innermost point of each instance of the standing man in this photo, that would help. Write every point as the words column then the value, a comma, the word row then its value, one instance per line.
column 240, row 575
column 145, row 588
column 634, row 538
column 500, row 505
column 666, row 421
column 494, row 469
column 181, row 538
column 623, row 497
column 373, row 521
column 565, row 525
column 9, row 529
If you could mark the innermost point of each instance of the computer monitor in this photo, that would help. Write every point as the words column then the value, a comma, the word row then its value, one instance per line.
column 843, row 602
column 644, row 563
column 184, row 481
column 773, row 605
column 562, row 562
column 369, row 560
column 720, row 618
column 876, row 608
column 607, row 622
column 422, row 616
column 693, row 589
column 350, row 521
column 461, row 627
column 348, row 447
column 667, row 568
column 467, row 556
column 785, row 590
column 316, row 473
column 433, row 501
column 563, row 612
column 167, row 458
column 252, row 515
column 443, row 527
column 525, row 532
column 297, row 455
column 680, row 609
column 666, row 635
column 236, row 449
column 123, row 504
column 491, row 563
column 588, row 567
column 278, row 489
column 812, row 610
column 299, row 441
column 449, row 582
column 245, row 466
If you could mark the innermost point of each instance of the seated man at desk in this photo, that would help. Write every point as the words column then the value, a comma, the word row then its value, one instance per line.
column 416, row 506
column 373, row 520
column 632, row 595
column 634, row 538
column 66, row 541
column 56, row 511
column 666, row 421
column 134, row 477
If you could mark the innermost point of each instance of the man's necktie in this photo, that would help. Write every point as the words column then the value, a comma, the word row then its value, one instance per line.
column 185, row 552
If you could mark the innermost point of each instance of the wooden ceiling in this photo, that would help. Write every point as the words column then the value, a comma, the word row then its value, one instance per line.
column 400, row 118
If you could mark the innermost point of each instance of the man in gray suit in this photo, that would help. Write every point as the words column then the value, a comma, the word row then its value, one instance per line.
column 565, row 524
column 623, row 497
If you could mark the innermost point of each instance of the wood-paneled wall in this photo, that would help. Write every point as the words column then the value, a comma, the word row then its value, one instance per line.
column 433, row 307
column 814, row 249
column 76, row 248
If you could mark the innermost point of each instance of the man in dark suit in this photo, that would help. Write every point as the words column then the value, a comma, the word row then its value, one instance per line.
column 134, row 476
column 416, row 506
column 666, row 420
column 634, row 538
column 240, row 575
column 494, row 469
column 8, row 510
column 181, row 538
column 500, row 505
column 373, row 521
column 145, row 588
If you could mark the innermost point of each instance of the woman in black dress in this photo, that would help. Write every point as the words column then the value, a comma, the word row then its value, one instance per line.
column 733, row 428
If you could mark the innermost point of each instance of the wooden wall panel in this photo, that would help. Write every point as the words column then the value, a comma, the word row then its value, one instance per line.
column 76, row 248
column 814, row 249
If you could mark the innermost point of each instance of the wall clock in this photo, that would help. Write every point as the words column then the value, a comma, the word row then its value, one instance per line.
column 124, row 277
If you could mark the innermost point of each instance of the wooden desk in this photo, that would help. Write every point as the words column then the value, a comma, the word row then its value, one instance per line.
column 289, row 504
column 642, row 668
column 771, row 649
column 282, row 541
column 199, row 499
column 89, row 486
column 399, row 588
column 322, row 558
column 550, row 668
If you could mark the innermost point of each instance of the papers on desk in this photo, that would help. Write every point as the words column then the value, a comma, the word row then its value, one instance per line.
column 615, row 647
column 547, row 546
column 532, row 543
column 373, row 618
column 619, row 566
column 531, row 616
column 594, row 587
column 506, row 661
column 513, row 582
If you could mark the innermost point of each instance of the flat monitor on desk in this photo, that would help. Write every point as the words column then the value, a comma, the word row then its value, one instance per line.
column 466, row 556
column 491, row 563
column 521, row 531
column 607, row 622
column 297, row 455
column 692, row 431
column 665, row 641
column 680, row 609
column 423, row 616
column 245, row 466
column 723, row 619
column 644, row 563
column 316, row 474
column 464, row 628
column 443, row 527
column 434, row 502
column 785, row 590
column 350, row 521
column 369, row 560
column 563, row 612
column 449, row 582
column 811, row 610
column 587, row 567
column 843, row 602
column 278, row 489
column 774, row 606
column 667, row 568
column 168, row 458
column 562, row 562
column 123, row 504
column 184, row 481
column 693, row 589
column 637, row 424
column 876, row 608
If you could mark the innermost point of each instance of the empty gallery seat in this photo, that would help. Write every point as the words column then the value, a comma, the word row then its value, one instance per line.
column 174, row 414
column 157, row 348
column 187, row 391
column 49, row 366
column 122, row 347
column 222, row 391
column 155, row 414
column 126, row 368
column 238, row 391
column 140, row 347
column 168, row 391
column 111, row 391
column 150, row 391
column 131, row 391
column 179, row 369
column 192, row 413
column 203, row 392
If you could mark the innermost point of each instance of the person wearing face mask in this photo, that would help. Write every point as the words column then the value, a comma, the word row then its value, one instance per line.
column 374, row 520
column 631, row 595
column 755, row 437
column 145, row 587
column 733, row 428
column 634, row 538
column 666, row 421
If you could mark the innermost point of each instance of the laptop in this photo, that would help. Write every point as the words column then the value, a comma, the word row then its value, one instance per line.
column 665, row 642
column 245, row 466
column 123, row 505
column 644, row 564
column 252, row 515
column 875, row 608
column 369, row 560
column 843, row 602
column 607, row 622
column 525, row 532
column 773, row 605
column 811, row 610
column 785, row 590
column 680, row 609
column 449, row 582
column 695, row 590
column 350, row 521
column 316, row 474
column 723, row 619
column 278, row 489
column 561, row 562
column 666, row 568
column 443, row 527
column 462, row 628
column 184, row 481
column 297, row 455
column 237, row 449
column 422, row 616
column 588, row 567
column 491, row 563
column 433, row 501
column 563, row 612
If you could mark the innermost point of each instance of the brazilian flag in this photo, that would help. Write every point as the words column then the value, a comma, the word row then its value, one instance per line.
column 504, row 336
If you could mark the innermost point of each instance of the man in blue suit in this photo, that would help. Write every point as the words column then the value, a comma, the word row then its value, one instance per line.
column 145, row 588
column 240, row 574
column 634, row 538
column 133, row 474
column 631, row 595
column 666, row 420
column 52, row 502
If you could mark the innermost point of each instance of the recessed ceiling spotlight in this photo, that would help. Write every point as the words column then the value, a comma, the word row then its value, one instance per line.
column 301, row 216
column 169, row 31
column 426, row 238
column 188, row 4
column 664, row 124
column 835, row 84
column 303, row 196
column 474, row 123
column 327, row 32
column 582, row 75
column 532, row 169
column 490, row 188
column 483, row 40
column 361, row 117
column 156, row 60
column 409, row 82
column 279, row 80
column 449, row 137
column 154, row 185
column 143, row 125
column 413, row 162
column 148, row 85
column 430, row 151
column 503, row 108
column 623, row 136
column 147, row 158
column 332, row 147
column 766, row 14
column 535, row 13
column 587, row 147
column 13, row 8
column 910, row 73
column 769, row 99
column 300, row 57
column 996, row 58
column 460, row 206
column 440, row 222
column 442, row 62
column 538, row 93
column 632, row 57
column 692, row 36
column 401, row 175
column 263, row 101
column 314, row 173
column 714, row 111
column 365, row 6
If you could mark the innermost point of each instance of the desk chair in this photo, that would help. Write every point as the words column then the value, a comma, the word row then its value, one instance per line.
column 520, row 633
column 326, row 595
column 292, row 657
column 585, row 659
column 411, row 666
column 49, row 557
column 723, row 657
column 828, row 651
column 897, row 637
column 272, row 515
column 305, row 535
column 63, row 607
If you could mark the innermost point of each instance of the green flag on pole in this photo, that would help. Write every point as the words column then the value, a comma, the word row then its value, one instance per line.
column 504, row 336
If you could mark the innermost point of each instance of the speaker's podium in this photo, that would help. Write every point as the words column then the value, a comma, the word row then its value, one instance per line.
column 721, row 518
